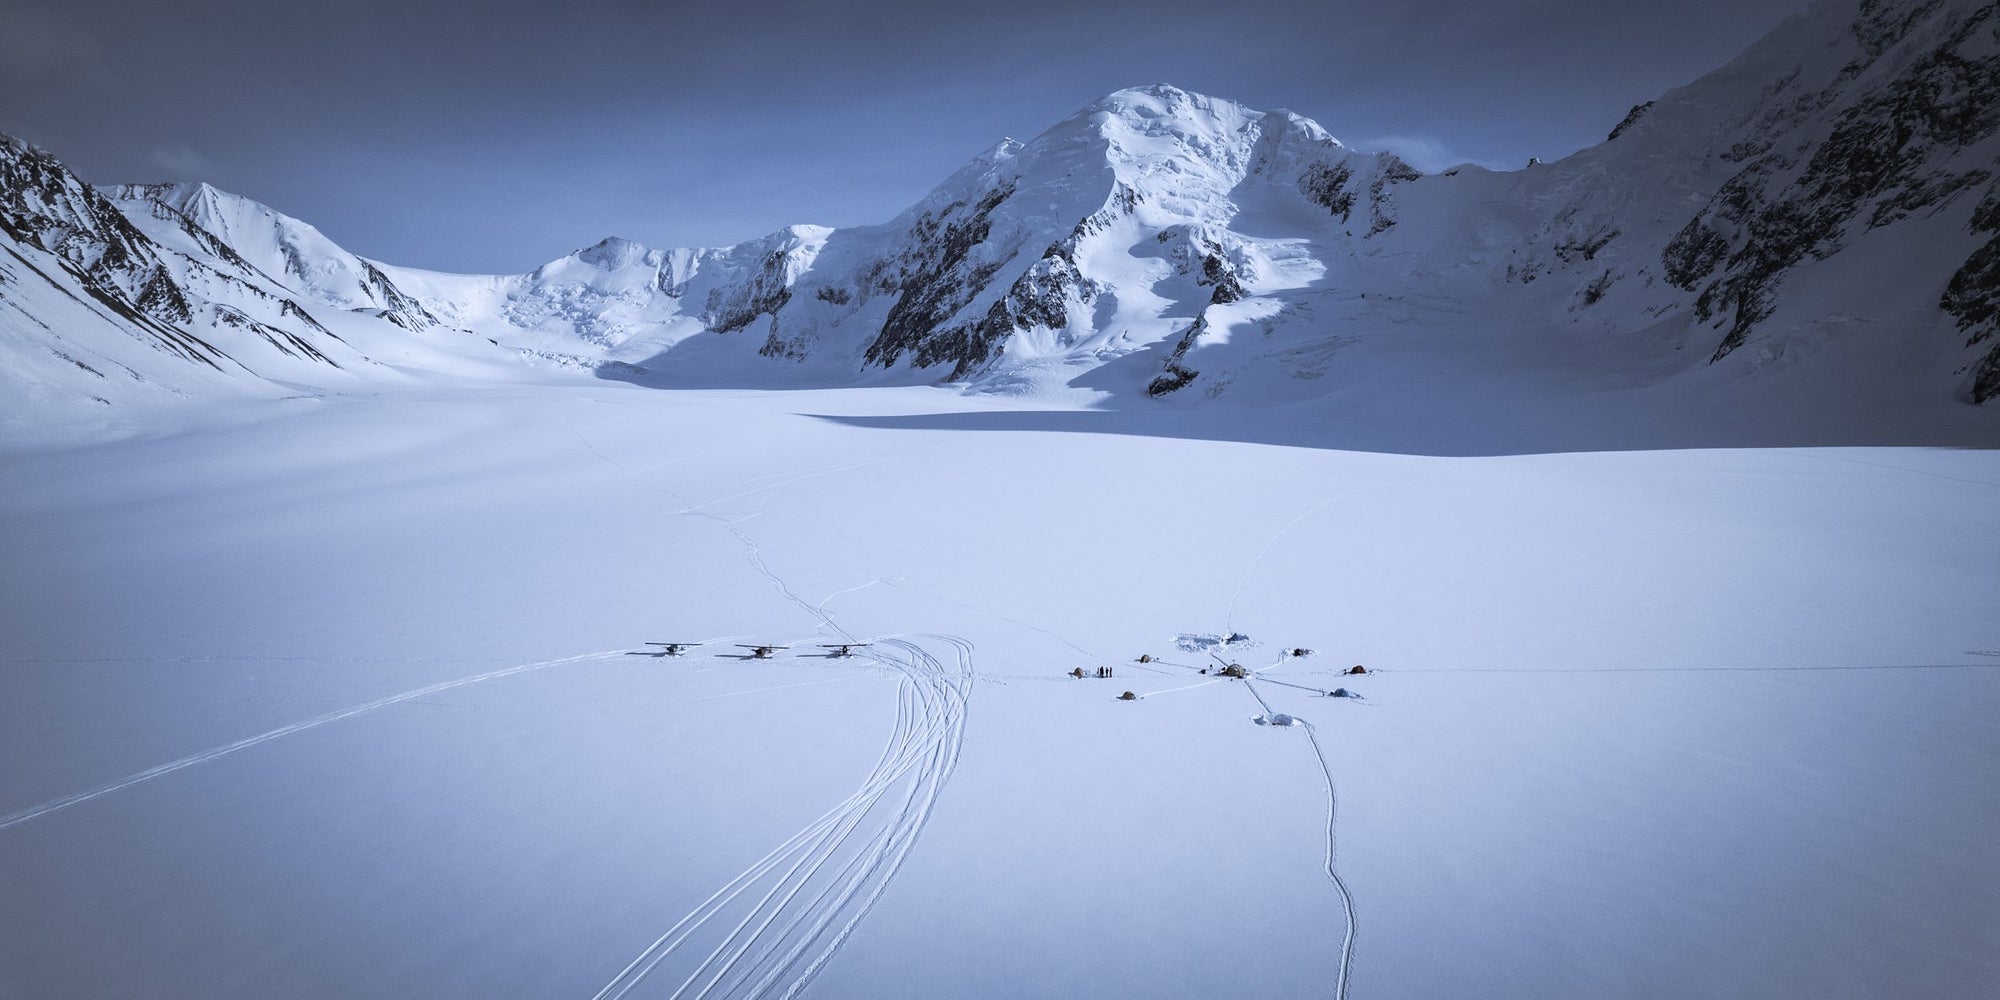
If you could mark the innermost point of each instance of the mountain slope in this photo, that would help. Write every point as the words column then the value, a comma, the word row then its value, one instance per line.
column 279, row 246
column 1814, row 196
column 160, row 293
column 1807, row 234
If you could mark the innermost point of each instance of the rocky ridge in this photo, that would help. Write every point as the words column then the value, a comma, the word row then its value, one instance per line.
column 1161, row 240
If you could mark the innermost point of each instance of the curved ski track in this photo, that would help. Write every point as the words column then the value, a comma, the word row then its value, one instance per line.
column 1332, row 872
column 24, row 815
column 782, row 919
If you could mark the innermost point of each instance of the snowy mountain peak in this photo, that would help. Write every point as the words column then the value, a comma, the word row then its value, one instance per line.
column 801, row 234
column 1000, row 151
column 1183, row 154
column 1162, row 109
column 1154, row 100
column 270, row 245
column 179, row 194
column 232, row 217
column 1162, row 240
column 614, row 252
column 1167, row 103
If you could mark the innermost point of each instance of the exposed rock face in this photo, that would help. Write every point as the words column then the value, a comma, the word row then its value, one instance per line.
column 1340, row 188
column 1047, row 296
column 1892, row 151
column 767, row 291
column 937, row 277
column 1042, row 297
column 1973, row 297
column 44, row 205
column 1174, row 375
column 1208, row 239
column 273, row 252
column 1326, row 185
column 1631, row 118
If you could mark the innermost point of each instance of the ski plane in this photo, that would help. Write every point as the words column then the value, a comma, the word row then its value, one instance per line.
column 761, row 652
column 673, row 648
column 842, row 650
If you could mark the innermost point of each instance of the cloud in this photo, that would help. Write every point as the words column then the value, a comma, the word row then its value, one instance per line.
column 1427, row 153
column 181, row 160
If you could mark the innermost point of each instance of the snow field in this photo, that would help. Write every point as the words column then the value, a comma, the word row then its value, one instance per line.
column 1588, row 762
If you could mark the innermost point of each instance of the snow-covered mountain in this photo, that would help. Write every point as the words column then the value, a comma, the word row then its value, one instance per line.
column 1817, row 221
column 618, row 298
column 276, row 245
column 90, row 299
column 160, row 293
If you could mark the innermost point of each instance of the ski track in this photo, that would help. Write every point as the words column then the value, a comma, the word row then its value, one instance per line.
column 1190, row 687
column 790, row 911
column 162, row 770
column 902, row 583
column 820, row 608
column 1332, row 871
column 788, row 923
column 597, row 702
column 752, row 549
column 1795, row 453
column 786, row 479
column 1229, row 617
column 814, row 889
column 1692, row 670
column 255, row 659
column 1289, row 684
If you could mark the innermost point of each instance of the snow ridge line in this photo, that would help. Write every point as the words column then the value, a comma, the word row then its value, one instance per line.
column 33, row 812
column 821, row 874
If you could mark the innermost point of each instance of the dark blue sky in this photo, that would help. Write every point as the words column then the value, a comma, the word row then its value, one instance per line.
column 495, row 136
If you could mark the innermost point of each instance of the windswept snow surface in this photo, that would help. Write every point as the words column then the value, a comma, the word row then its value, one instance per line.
column 334, row 698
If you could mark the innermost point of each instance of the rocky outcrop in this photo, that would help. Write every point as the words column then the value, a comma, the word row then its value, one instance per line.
column 43, row 204
column 1229, row 239
column 1891, row 153
column 767, row 291
column 1341, row 189
column 264, row 254
column 936, row 278
column 1973, row 298
column 1631, row 118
